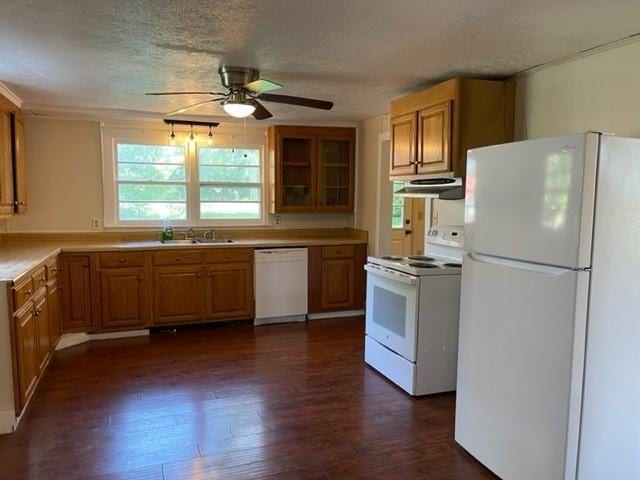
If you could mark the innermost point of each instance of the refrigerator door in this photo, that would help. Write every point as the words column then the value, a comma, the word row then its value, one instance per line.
column 519, row 374
column 533, row 200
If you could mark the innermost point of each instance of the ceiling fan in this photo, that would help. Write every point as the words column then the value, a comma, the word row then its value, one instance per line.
column 244, row 89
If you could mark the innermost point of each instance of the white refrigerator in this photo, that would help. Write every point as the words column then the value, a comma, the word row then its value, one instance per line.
column 549, row 347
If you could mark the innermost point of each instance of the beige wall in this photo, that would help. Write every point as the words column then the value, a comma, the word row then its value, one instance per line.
column 373, row 202
column 64, row 175
column 599, row 91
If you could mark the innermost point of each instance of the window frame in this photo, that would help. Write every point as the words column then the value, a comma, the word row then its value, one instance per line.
column 192, row 181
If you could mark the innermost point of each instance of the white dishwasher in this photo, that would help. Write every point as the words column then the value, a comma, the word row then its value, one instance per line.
column 281, row 285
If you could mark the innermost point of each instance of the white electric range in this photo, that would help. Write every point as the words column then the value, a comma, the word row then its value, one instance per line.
column 412, row 312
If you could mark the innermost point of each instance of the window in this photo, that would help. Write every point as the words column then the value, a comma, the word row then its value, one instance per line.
column 151, row 182
column 397, row 208
column 146, row 180
column 230, row 183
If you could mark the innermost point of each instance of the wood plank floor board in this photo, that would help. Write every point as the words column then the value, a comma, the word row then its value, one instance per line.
column 277, row 402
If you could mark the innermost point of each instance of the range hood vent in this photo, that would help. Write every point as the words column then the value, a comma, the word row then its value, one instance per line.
column 448, row 188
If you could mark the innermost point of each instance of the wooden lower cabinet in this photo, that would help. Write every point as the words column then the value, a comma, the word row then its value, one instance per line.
column 336, row 278
column 75, row 275
column 124, row 298
column 178, row 294
column 55, row 311
column 229, row 291
column 26, row 350
column 41, row 314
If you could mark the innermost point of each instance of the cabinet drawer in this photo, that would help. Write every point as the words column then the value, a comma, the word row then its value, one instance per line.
column 39, row 278
column 338, row 251
column 120, row 259
column 22, row 293
column 229, row 255
column 177, row 257
column 52, row 269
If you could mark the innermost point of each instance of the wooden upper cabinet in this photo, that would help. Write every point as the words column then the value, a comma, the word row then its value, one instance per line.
column 403, row 144
column 432, row 130
column 76, row 293
column 6, row 165
column 229, row 291
column 312, row 168
column 336, row 172
column 19, row 166
column 178, row 294
column 124, row 298
column 434, row 125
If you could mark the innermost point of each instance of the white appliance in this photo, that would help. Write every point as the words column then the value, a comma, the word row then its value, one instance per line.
column 549, row 352
column 412, row 314
column 280, row 285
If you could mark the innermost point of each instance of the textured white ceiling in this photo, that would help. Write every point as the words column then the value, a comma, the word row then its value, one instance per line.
column 358, row 53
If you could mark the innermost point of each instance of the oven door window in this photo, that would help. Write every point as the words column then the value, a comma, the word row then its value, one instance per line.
column 391, row 316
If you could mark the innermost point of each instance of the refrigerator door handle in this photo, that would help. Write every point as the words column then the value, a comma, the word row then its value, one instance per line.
column 535, row 267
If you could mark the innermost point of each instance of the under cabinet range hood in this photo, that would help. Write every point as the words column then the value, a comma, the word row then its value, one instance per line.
column 447, row 188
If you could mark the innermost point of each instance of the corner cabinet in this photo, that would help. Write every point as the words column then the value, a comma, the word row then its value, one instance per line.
column 13, row 183
column 312, row 169
column 432, row 130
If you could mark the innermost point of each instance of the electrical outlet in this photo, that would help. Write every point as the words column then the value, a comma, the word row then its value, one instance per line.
column 95, row 224
column 278, row 219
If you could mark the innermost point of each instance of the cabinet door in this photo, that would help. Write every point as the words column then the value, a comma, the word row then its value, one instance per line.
column 296, row 173
column 178, row 295
column 336, row 175
column 19, row 166
column 337, row 284
column 403, row 145
column 53, row 305
column 434, row 137
column 123, row 298
column 229, row 290
column 26, row 337
column 6, row 164
column 76, row 293
column 41, row 313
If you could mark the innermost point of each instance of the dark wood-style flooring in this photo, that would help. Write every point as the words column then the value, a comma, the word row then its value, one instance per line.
column 277, row 402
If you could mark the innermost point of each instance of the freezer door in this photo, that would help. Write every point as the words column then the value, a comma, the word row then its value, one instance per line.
column 516, row 362
column 533, row 200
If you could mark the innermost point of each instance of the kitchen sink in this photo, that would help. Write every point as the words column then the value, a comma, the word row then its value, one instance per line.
column 187, row 241
column 214, row 240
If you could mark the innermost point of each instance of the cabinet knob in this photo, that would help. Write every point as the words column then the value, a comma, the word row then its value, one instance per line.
column 28, row 292
column 121, row 260
column 177, row 259
column 228, row 257
column 198, row 275
column 139, row 279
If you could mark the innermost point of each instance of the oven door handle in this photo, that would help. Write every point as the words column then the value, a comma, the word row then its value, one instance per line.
column 392, row 275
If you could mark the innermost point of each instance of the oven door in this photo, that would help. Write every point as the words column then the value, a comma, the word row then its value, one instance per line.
column 392, row 309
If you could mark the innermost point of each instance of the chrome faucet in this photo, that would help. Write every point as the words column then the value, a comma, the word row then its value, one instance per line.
column 190, row 234
column 210, row 234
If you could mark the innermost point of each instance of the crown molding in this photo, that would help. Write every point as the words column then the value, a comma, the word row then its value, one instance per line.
column 6, row 91
column 113, row 114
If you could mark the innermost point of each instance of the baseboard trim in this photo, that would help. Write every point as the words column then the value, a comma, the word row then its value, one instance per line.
column 344, row 313
column 286, row 319
column 7, row 421
column 72, row 339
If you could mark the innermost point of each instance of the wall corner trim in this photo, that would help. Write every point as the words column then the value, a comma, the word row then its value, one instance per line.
column 6, row 91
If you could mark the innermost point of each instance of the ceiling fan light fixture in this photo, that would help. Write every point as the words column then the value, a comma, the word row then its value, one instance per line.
column 238, row 109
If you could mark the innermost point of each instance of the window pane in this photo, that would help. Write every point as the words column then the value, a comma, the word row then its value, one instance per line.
column 229, row 210
column 220, row 193
column 396, row 217
column 145, row 192
column 150, row 153
column 397, row 210
column 229, row 174
column 152, row 211
column 157, row 173
column 228, row 156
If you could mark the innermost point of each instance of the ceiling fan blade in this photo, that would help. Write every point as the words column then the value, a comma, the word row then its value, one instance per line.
column 300, row 101
column 262, row 85
column 183, row 93
column 260, row 113
column 193, row 105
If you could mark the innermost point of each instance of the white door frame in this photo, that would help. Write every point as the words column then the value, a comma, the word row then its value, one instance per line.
column 382, row 237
